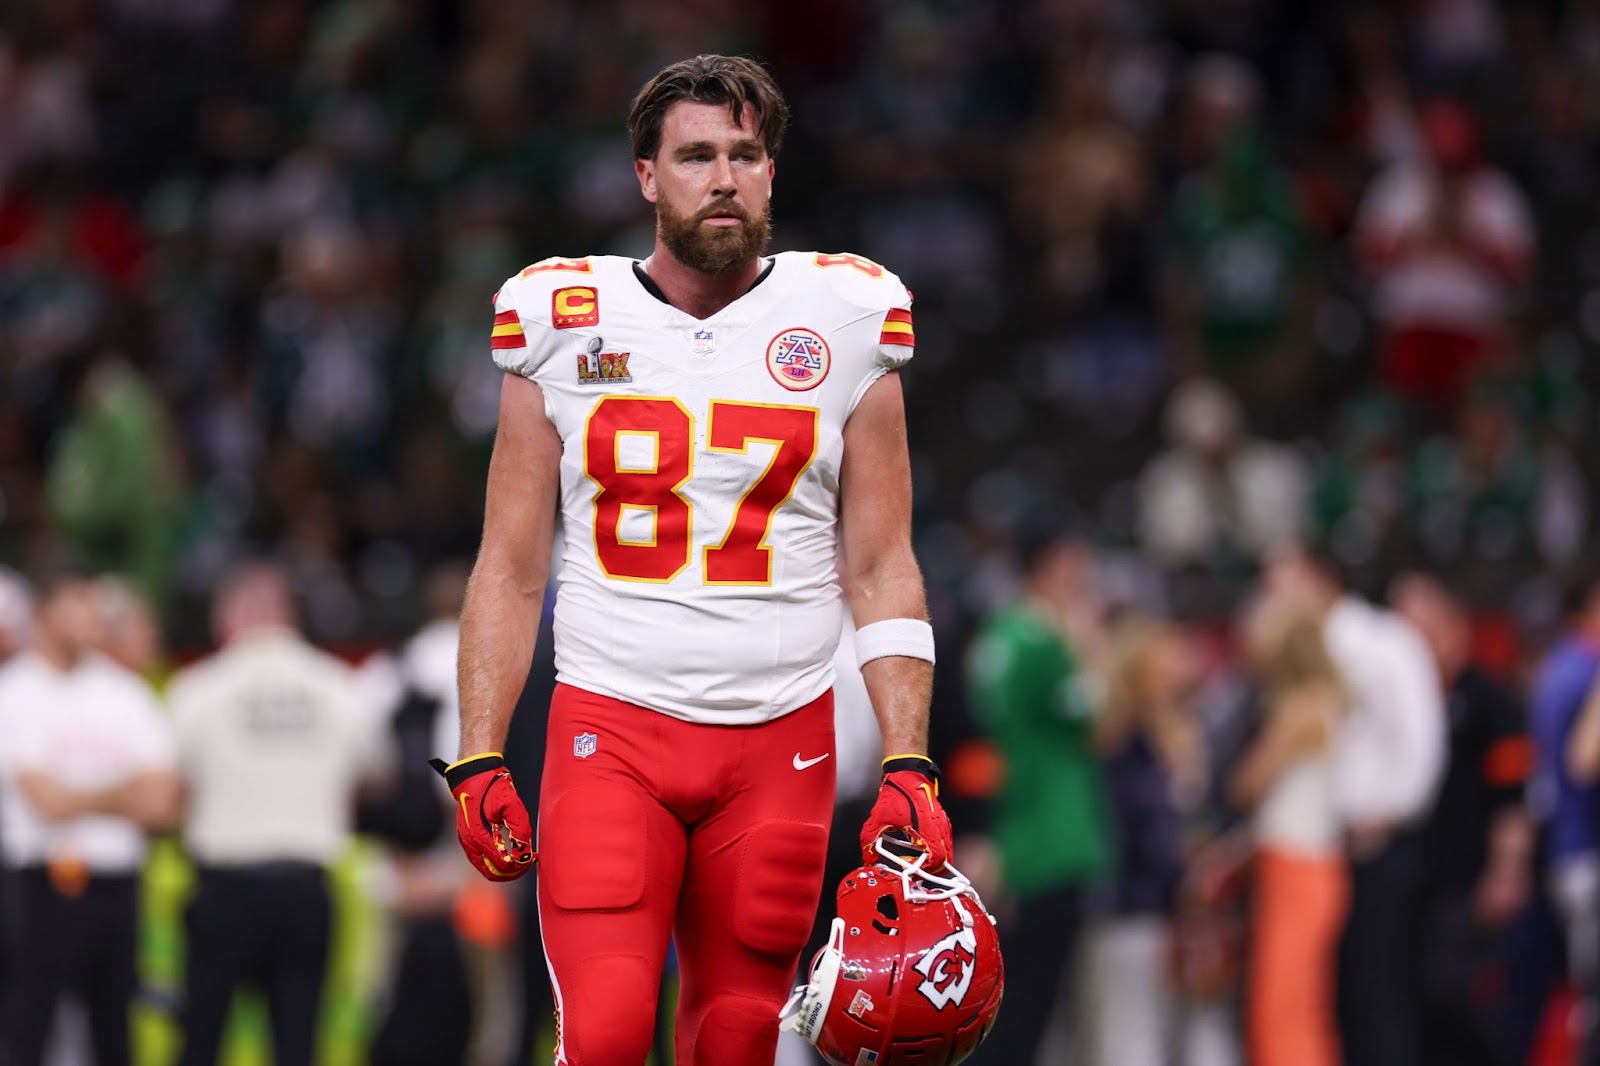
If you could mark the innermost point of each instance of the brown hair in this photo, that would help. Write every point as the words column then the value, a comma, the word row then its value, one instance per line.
column 736, row 81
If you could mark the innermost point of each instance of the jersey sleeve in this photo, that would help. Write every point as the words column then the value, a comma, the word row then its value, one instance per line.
column 519, row 342
column 897, row 340
column 877, row 294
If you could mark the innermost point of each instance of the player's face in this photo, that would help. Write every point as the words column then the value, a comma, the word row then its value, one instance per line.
column 711, row 182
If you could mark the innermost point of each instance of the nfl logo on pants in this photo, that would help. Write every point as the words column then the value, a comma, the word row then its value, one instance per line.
column 583, row 745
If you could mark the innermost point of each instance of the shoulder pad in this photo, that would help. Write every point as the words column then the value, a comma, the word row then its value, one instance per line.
column 550, row 295
column 555, row 292
column 859, row 280
column 876, row 292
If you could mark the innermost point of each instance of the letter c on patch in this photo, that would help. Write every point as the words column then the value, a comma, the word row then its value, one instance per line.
column 575, row 306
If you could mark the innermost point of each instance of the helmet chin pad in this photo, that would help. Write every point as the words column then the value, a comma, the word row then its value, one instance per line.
column 808, row 1005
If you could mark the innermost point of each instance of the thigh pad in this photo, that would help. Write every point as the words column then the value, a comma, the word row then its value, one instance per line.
column 594, row 848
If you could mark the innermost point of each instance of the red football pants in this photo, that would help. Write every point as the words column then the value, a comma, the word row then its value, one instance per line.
column 650, row 828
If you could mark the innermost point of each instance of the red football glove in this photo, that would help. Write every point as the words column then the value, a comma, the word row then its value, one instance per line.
column 491, row 822
column 908, row 804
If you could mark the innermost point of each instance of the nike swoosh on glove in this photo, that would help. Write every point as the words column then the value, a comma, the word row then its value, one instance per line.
column 491, row 821
column 908, row 804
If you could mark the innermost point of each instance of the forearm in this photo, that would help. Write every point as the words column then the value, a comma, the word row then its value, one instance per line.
column 499, row 625
column 1292, row 732
column 1255, row 774
column 900, row 687
column 153, row 800
column 49, row 801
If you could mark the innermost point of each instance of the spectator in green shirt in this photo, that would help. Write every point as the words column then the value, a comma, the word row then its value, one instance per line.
column 1035, row 698
column 112, row 484
column 1239, row 278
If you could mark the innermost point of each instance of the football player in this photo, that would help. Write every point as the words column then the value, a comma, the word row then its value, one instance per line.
column 723, row 437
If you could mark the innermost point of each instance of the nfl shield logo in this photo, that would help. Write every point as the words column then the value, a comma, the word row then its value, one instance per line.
column 583, row 745
column 702, row 341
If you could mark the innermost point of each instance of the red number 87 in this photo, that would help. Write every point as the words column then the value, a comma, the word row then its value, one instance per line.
column 742, row 558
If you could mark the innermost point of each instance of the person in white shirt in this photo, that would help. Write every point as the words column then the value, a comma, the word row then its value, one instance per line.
column 274, row 738
column 1449, row 243
column 85, row 773
column 1218, row 493
column 1389, row 758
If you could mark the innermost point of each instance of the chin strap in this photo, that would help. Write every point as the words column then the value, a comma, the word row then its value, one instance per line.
column 808, row 1003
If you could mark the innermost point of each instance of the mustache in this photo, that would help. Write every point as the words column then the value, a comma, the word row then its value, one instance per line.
column 723, row 207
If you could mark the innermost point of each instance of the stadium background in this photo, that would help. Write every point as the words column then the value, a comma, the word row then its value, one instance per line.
column 246, row 252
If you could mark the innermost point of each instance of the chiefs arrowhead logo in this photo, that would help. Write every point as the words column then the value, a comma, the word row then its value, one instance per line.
column 947, row 969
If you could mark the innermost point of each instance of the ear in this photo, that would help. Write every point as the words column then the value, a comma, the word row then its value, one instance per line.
column 645, row 169
column 772, row 169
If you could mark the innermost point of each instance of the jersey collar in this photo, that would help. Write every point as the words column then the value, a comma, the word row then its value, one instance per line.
column 653, row 289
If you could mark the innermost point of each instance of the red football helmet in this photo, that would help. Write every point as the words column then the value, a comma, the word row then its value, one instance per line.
column 911, row 972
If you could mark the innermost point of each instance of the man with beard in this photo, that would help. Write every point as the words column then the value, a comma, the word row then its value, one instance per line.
column 723, row 435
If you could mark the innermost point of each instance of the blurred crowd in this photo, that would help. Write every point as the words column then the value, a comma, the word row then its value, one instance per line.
column 246, row 251
column 1196, row 282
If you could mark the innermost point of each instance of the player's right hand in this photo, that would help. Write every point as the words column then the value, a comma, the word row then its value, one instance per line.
column 491, row 821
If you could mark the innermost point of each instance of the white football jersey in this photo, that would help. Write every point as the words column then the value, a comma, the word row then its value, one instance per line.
column 700, row 472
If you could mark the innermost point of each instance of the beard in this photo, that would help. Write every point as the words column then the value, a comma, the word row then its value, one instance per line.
column 714, row 250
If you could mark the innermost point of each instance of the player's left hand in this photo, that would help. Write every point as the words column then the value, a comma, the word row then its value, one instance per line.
column 908, row 803
column 491, row 821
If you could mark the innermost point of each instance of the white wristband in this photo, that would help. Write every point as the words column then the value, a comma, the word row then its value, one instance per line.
column 910, row 637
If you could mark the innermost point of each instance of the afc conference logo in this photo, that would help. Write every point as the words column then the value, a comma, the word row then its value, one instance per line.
column 947, row 969
column 798, row 359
